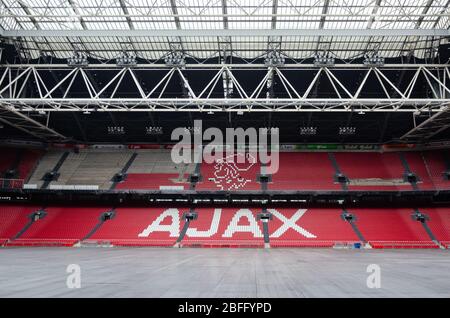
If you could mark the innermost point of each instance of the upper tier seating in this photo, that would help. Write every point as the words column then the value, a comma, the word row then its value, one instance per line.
column 83, row 168
column 152, row 181
column 372, row 171
column 381, row 171
column 93, row 168
column 7, row 158
column 417, row 165
column 28, row 162
column 157, row 161
column 46, row 164
column 434, row 161
column 230, row 173
column 304, row 171
column 152, row 169
column 22, row 160
column 149, row 170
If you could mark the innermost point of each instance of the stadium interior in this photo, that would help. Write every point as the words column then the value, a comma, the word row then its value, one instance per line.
column 356, row 96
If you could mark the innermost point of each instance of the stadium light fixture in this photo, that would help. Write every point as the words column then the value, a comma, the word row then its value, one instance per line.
column 78, row 59
column 308, row 131
column 175, row 59
column 274, row 59
column 116, row 130
column 347, row 131
column 154, row 130
column 126, row 60
column 324, row 59
column 373, row 60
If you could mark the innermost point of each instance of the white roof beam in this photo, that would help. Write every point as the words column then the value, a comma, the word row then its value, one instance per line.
column 225, row 14
column 374, row 12
column 233, row 32
column 274, row 12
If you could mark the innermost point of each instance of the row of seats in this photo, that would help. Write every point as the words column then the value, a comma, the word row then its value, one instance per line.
column 153, row 169
column 317, row 171
column 231, row 227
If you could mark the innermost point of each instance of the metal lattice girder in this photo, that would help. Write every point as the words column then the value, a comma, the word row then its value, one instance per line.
column 44, row 94
column 430, row 127
column 26, row 124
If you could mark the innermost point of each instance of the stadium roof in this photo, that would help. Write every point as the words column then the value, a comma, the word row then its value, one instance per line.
column 204, row 29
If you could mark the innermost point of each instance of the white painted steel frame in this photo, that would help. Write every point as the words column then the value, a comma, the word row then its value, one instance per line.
column 13, row 79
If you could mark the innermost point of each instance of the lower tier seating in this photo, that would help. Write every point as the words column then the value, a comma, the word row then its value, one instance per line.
column 309, row 228
column 225, row 228
column 60, row 226
column 389, row 228
column 13, row 218
column 128, row 224
column 222, row 227
column 439, row 223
